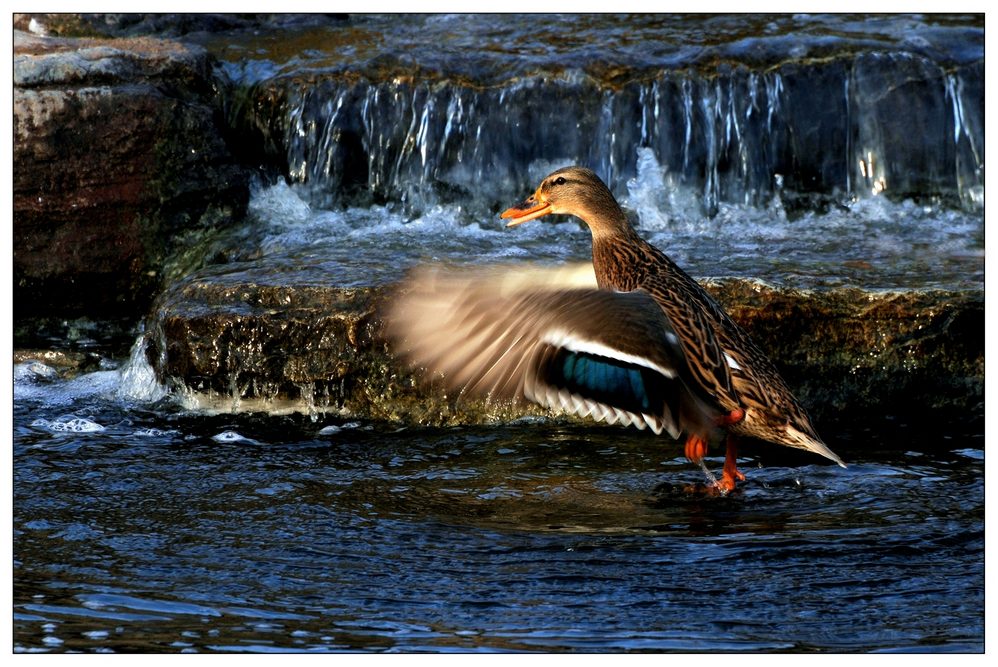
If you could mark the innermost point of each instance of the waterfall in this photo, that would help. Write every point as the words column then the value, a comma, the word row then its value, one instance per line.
column 871, row 124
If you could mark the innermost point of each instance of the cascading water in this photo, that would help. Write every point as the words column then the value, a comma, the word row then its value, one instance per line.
column 839, row 130
column 819, row 145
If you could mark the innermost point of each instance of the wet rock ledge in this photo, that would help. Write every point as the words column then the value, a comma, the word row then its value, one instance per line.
column 853, row 356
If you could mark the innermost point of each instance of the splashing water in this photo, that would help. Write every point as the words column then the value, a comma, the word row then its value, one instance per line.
column 869, row 243
column 138, row 380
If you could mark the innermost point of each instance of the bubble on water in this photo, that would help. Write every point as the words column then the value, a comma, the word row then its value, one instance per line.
column 230, row 437
column 332, row 429
column 155, row 433
column 68, row 424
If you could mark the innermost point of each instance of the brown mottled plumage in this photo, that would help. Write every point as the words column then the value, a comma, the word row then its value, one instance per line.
column 645, row 345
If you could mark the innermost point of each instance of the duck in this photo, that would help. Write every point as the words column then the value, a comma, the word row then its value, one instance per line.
column 629, row 339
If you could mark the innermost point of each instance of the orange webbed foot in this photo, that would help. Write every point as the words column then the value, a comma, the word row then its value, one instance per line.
column 729, row 480
column 696, row 448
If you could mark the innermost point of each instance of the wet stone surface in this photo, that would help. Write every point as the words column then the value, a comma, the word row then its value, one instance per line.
column 247, row 346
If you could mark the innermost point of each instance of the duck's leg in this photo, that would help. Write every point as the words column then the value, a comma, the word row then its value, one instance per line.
column 696, row 450
column 696, row 444
column 731, row 474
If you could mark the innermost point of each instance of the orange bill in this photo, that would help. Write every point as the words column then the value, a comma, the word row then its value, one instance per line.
column 528, row 210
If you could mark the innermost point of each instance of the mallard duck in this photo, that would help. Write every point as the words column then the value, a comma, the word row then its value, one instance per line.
column 631, row 339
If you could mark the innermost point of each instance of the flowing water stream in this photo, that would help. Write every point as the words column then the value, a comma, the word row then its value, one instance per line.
column 140, row 525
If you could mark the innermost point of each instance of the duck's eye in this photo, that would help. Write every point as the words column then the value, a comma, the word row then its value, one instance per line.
column 560, row 180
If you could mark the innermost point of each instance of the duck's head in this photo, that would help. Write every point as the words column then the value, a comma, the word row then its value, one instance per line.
column 573, row 191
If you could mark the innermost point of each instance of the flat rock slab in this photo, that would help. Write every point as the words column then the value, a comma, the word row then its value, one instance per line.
column 851, row 355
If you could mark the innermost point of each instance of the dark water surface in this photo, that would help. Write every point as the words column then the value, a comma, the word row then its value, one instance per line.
column 153, row 530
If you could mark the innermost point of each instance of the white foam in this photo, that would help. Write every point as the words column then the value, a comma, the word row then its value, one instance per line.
column 279, row 205
column 32, row 371
column 652, row 194
column 56, row 393
column 138, row 381
column 68, row 424
column 134, row 382
column 230, row 437
column 333, row 429
column 880, row 243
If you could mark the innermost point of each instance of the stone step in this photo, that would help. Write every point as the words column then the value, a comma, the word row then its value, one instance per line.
column 850, row 355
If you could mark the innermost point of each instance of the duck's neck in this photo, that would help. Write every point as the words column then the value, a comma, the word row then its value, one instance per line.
column 617, row 250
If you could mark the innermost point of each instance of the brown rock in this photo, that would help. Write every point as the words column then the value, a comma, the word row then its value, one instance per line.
column 853, row 356
column 118, row 160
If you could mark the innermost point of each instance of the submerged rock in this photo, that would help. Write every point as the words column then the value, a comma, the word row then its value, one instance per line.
column 851, row 355
column 119, row 161
column 50, row 364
